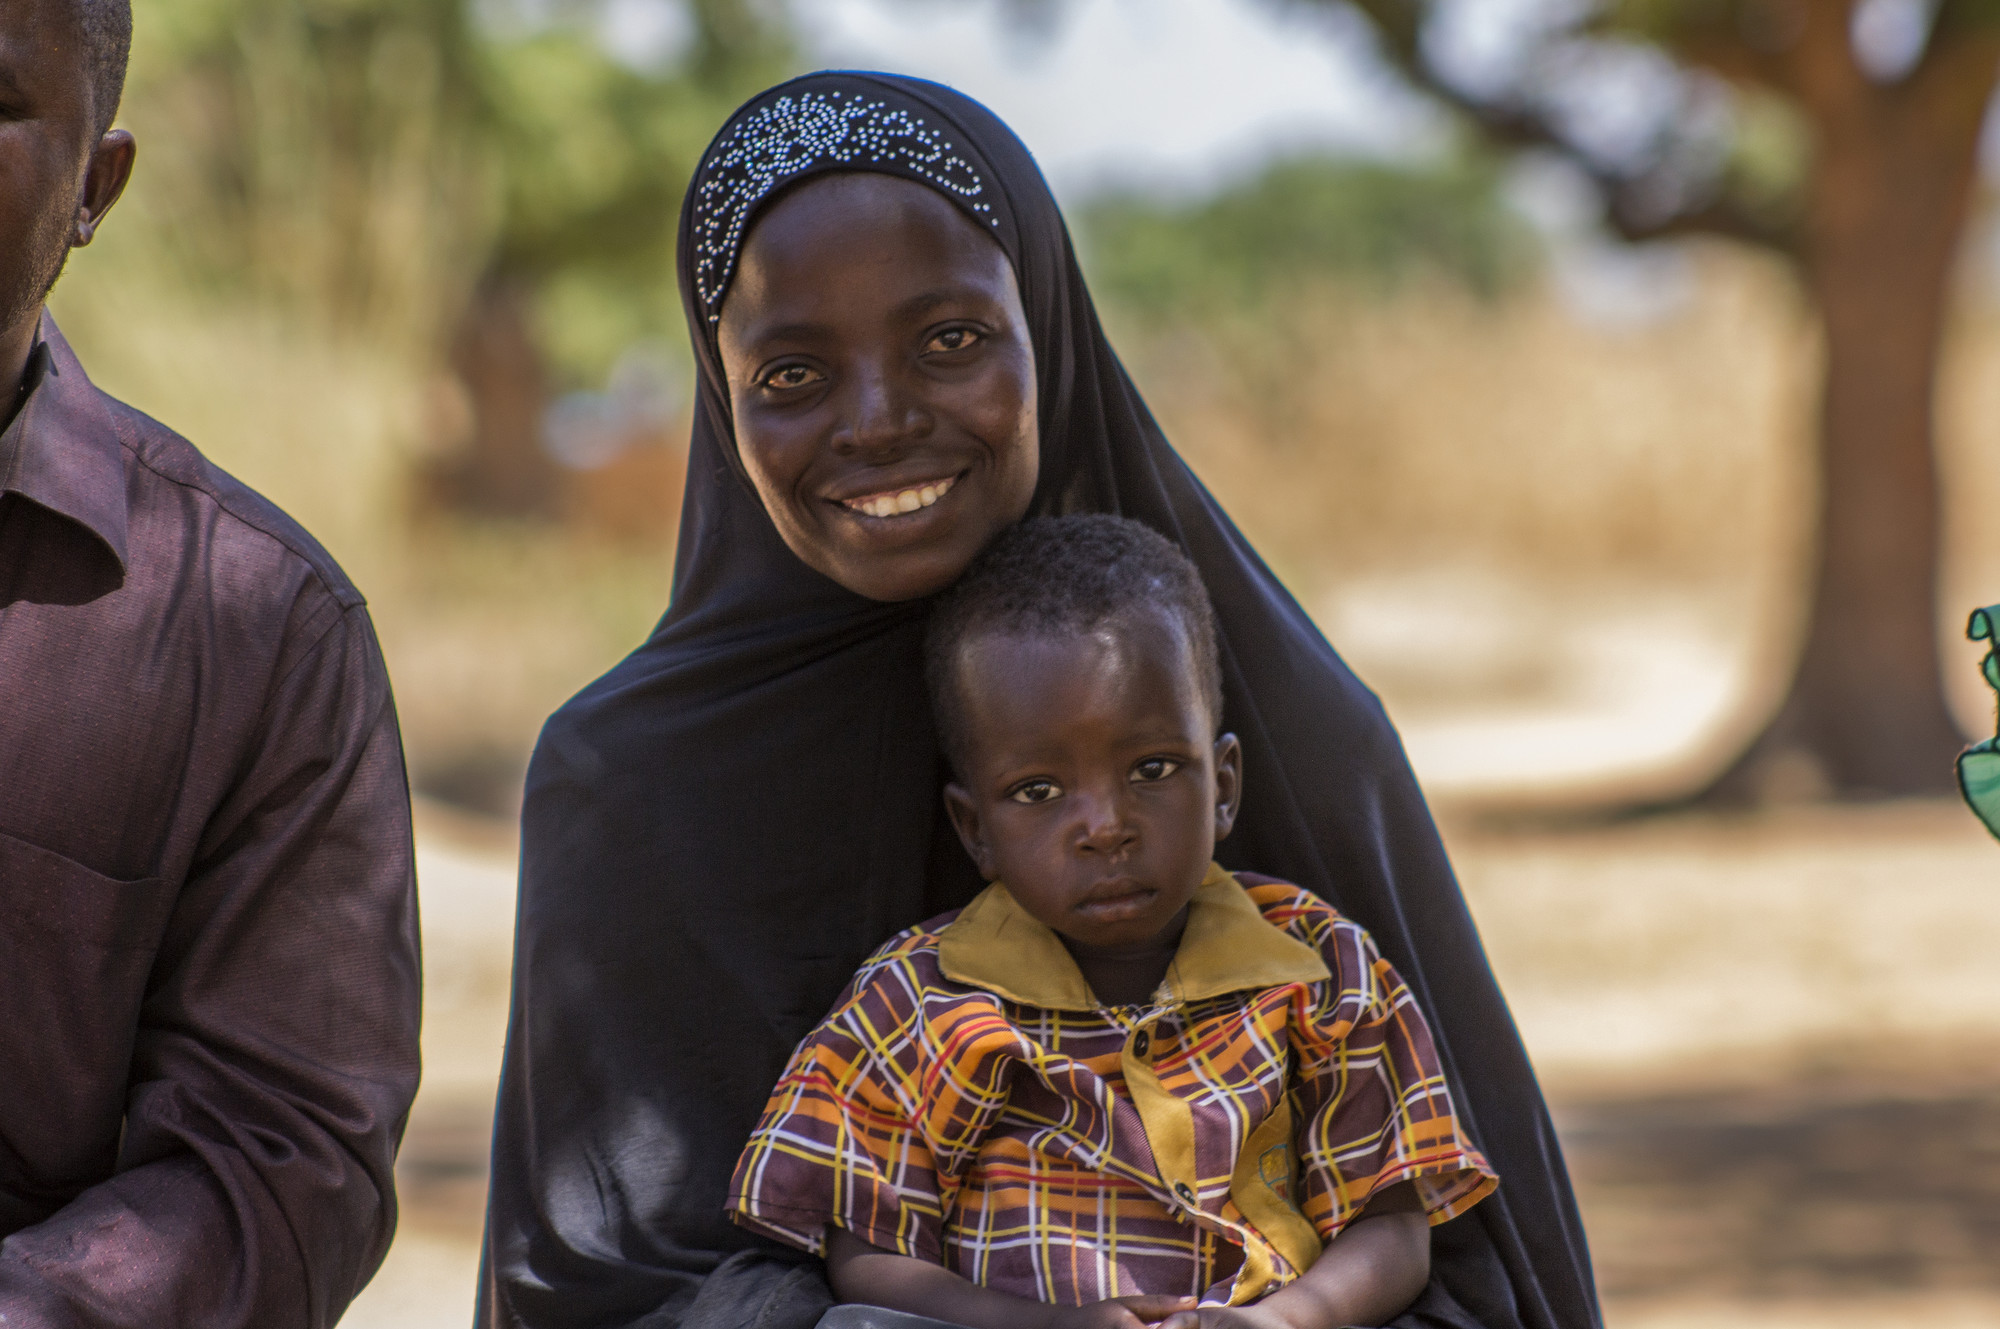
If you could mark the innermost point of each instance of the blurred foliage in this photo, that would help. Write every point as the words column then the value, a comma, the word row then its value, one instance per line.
column 594, row 156
column 1299, row 224
column 324, row 154
column 368, row 162
column 1769, row 158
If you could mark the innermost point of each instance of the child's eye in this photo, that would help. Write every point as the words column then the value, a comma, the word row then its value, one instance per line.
column 1036, row 791
column 1154, row 768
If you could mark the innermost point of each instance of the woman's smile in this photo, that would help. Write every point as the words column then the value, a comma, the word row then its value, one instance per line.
column 900, row 501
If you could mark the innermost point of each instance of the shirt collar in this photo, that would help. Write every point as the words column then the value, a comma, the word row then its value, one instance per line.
column 62, row 450
column 1228, row 946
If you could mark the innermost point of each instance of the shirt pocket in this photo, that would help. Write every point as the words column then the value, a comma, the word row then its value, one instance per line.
column 77, row 951
column 45, row 895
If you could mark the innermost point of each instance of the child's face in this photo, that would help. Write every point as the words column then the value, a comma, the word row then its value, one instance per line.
column 1095, row 787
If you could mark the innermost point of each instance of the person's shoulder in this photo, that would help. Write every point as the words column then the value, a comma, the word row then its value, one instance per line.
column 908, row 972
column 247, row 528
column 909, row 958
column 900, row 986
column 624, row 720
column 1285, row 906
column 1298, row 912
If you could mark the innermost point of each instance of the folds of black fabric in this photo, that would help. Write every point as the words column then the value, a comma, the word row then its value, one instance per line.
column 718, row 830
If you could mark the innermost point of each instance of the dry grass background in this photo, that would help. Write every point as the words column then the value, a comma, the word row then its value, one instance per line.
column 1454, row 485
column 1770, row 1039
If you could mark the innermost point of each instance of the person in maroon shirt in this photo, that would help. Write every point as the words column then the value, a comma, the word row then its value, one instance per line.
column 208, row 932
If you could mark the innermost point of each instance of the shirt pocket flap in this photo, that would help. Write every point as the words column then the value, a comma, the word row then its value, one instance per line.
column 44, row 894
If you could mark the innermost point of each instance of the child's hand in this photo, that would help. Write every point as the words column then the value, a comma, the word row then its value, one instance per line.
column 1121, row 1313
column 1225, row 1317
column 871, row 1276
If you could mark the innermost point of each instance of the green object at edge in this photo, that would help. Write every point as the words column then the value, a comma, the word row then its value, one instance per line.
column 1979, row 765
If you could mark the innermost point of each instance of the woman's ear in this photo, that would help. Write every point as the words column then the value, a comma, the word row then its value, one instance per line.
column 1228, row 784
column 965, row 820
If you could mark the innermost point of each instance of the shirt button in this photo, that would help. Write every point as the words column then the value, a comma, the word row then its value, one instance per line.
column 1185, row 1192
column 1142, row 1043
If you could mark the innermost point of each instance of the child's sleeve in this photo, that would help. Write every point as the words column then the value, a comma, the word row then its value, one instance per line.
column 838, row 1142
column 1373, row 1105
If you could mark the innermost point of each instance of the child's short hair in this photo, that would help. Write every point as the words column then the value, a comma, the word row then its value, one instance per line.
column 1066, row 575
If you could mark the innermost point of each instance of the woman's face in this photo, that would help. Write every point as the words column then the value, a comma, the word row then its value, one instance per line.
column 883, row 383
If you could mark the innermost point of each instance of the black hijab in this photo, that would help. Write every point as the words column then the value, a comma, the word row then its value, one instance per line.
column 721, row 828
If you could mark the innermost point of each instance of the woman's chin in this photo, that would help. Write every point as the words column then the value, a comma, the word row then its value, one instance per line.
column 894, row 558
column 895, row 578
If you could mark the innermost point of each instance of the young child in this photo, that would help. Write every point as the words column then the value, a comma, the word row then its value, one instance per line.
column 1122, row 1086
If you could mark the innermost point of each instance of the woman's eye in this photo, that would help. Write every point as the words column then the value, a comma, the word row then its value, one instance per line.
column 1036, row 791
column 952, row 339
column 791, row 376
column 1154, row 768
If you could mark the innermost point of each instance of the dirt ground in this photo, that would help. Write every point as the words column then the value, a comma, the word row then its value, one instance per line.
column 1772, row 1045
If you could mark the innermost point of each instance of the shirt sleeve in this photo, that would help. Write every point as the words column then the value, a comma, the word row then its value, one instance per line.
column 866, row 1131
column 1374, row 1108
column 276, row 1055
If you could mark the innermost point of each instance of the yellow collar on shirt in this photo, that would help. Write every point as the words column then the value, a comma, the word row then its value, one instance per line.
column 1228, row 946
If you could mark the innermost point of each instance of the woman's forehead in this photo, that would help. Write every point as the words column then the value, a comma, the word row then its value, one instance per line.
column 864, row 243
column 829, row 213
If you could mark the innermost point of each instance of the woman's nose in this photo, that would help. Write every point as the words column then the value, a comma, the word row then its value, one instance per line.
column 882, row 415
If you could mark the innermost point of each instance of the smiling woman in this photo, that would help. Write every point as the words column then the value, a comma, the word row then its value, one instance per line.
column 898, row 359
column 882, row 381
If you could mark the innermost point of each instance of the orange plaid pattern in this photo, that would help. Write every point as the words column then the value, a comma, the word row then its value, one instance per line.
column 968, row 1103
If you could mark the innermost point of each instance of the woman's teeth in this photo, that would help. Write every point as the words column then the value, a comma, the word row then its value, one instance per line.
column 903, row 500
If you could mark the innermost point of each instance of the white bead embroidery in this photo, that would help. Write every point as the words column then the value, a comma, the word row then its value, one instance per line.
column 795, row 133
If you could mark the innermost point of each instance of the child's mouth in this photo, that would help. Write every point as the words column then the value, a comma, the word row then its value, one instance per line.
column 1115, row 904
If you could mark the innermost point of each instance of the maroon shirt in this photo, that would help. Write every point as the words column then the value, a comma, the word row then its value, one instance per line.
column 208, row 926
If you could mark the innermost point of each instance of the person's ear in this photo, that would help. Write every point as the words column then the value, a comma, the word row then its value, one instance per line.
column 1228, row 784
column 958, row 802
column 104, row 181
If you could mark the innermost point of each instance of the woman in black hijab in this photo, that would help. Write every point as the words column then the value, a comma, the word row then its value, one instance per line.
column 722, row 827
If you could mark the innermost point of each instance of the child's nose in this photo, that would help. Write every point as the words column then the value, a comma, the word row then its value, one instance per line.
column 1106, row 827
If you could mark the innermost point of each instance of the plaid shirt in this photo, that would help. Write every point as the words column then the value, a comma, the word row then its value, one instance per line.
column 968, row 1102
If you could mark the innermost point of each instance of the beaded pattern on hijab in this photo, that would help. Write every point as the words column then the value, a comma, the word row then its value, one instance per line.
column 796, row 133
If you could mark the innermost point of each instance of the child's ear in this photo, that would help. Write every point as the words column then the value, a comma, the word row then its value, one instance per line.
column 1228, row 784
column 965, row 820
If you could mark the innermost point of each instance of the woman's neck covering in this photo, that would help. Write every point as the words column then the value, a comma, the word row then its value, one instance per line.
column 720, row 829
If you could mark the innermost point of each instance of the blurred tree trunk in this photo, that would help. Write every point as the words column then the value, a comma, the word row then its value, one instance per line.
column 1885, row 215
column 505, row 471
column 1877, row 221
column 592, row 156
